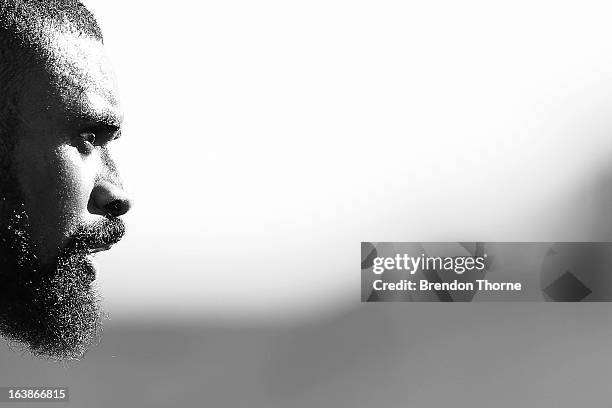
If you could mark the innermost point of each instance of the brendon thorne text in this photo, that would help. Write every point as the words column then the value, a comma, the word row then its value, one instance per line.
column 425, row 285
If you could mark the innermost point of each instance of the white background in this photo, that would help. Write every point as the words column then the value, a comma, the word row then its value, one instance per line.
column 264, row 140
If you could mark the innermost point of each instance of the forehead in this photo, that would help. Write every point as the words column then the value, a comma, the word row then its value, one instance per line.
column 76, row 78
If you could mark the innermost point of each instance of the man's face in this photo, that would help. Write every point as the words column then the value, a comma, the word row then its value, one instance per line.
column 63, row 198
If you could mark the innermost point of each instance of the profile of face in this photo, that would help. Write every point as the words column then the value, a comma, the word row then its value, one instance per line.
column 61, row 198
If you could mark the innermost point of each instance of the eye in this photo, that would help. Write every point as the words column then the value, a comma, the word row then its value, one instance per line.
column 86, row 142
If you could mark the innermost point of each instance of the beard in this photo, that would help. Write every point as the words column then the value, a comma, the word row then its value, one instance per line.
column 51, row 310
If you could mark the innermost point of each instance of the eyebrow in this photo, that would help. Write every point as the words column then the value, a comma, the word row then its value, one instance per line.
column 106, row 119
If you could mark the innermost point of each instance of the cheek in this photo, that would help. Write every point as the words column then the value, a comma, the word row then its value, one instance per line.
column 56, row 185
column 73, row 179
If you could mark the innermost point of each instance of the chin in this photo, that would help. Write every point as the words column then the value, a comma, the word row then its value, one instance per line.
column 52, row 311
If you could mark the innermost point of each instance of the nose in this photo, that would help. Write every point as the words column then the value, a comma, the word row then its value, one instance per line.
column 108, row 199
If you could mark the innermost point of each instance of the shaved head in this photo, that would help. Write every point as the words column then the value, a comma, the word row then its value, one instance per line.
column 27, row 19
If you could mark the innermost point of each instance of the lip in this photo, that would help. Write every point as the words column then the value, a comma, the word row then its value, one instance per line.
column 99, row 249
column 91, row 272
